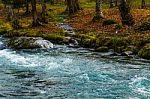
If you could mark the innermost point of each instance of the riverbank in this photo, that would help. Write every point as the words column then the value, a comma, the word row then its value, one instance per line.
column 71, row 73
column 101, row 35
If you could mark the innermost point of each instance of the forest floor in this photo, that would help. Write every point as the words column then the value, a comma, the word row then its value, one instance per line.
column 100, row 35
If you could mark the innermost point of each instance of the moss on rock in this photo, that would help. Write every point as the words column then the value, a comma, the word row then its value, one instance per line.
column 19, row 43
column 145, row 52
column 102, row 49
column 58, row 39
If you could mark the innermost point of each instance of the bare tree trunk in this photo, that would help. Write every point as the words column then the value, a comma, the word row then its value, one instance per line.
column 44, row 12
column 10, row 12
column 72, row 6
column 12, row 17
column 111, row 3
column 142, row 4
column 127, row 18
column 99, row 15
column 52, row 2
column 27, row 7
column 34, row 13
column 77, row 7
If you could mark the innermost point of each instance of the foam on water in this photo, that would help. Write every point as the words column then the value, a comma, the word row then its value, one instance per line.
column 12, row 58
column 67, row 61
column 1, row 43
column 84, row 77
column 140, row 85
column 52, row 65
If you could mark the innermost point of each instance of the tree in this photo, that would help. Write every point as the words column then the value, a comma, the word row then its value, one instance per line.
column 111, row 3
column 27, row 6
column 44, row 12
column 11, row 5
column 99, row 15
column 126, row 16
column 143, row 4
column 116, row 2
column 34, row 13
column 72, row 6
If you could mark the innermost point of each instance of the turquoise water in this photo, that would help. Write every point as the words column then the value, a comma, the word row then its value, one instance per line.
column 67, row 73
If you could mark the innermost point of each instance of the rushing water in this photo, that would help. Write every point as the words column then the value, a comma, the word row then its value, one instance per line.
column 67, row 73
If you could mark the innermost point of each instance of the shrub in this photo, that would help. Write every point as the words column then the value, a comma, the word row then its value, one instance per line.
column 118, row 26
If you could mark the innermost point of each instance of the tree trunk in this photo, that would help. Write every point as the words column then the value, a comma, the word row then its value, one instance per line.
column 27, row 7
column 72, row 6
column 111, row 3
column 52, row 2
column 10, row 12
column 12, row 17
column 116, row 2
column 34, row 14
column 99, row 15
column 127, row 18
column 44, row 12
column 142, row 4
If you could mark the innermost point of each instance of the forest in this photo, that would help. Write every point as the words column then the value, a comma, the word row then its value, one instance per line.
column 121, row 25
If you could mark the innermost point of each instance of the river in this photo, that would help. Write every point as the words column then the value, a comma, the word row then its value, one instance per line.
column 71, row 73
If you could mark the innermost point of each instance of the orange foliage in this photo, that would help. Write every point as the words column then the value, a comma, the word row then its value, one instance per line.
column 82, row 21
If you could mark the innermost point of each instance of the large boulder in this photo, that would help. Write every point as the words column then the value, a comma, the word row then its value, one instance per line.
column 29, row 43
column 145, row 52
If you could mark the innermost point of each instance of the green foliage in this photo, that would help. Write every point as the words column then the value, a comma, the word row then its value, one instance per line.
column 4, row 28
column 15, row 24
column 118, row 44
column 21, row 32
column 87, row 40
column 145, row 52
column 118, row 26
column 97, row 17
column 13, row 43
column 54, row 38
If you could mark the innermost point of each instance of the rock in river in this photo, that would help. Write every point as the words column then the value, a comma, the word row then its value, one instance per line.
column 29, row 43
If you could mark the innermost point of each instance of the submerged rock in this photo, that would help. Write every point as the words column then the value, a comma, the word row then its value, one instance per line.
column 29, row 43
